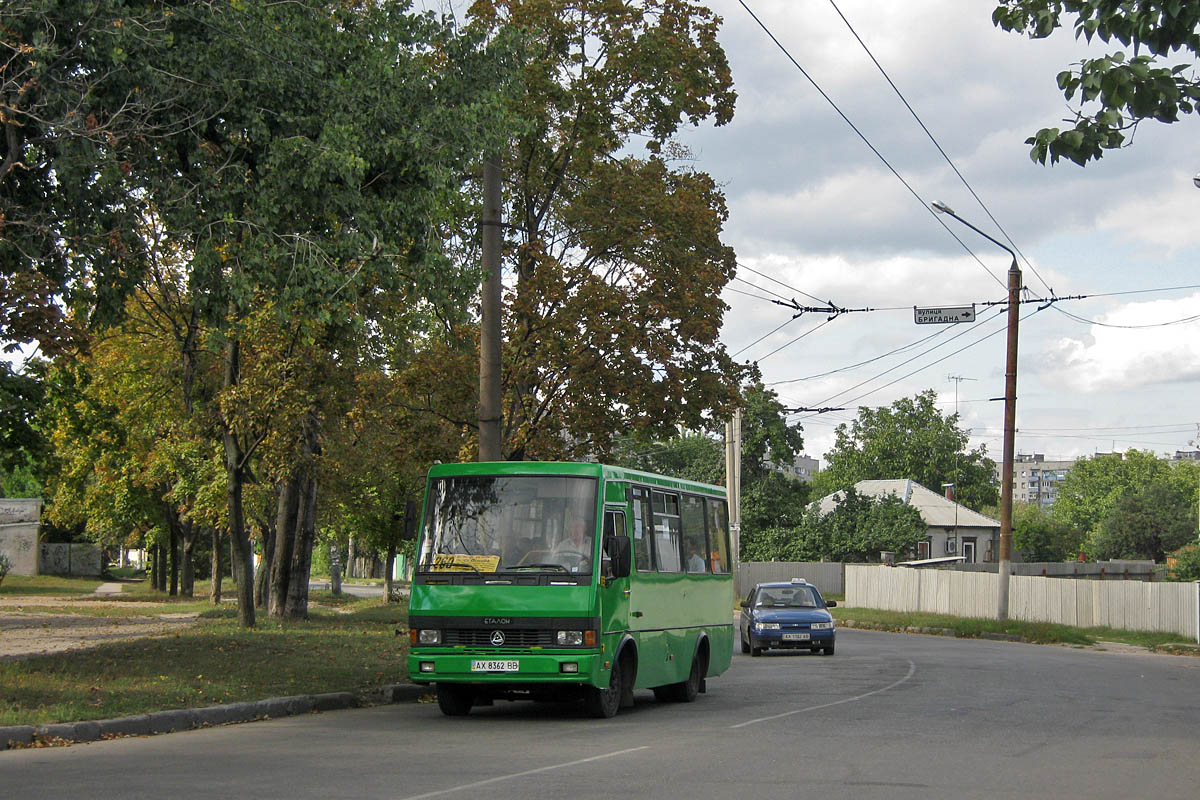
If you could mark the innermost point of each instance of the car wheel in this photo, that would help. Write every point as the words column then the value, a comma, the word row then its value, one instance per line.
column 828, row 650
column 454, row 701
column 745, row 645
column 604, row 703
column 755, row 650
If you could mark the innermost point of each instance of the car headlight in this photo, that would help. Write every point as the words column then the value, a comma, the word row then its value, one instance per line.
column 822, row 626
column 429, row 636
column 767, row 626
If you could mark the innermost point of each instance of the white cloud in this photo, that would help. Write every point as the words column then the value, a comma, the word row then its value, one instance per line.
column 1120, row 357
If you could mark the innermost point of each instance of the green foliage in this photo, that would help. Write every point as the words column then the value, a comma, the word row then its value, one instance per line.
column 1039, row 536
column 909, row 440
column 1145, row 522
column 858, row 529
column 614, row 312
column 4, row 567
column 1187, row 564
column 1093, row 486
column 1115, row 92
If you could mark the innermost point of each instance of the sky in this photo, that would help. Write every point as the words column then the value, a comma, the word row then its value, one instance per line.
column 814, row 213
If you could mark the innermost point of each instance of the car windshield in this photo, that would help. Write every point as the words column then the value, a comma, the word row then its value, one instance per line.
column 486, row 524
column 788, row 596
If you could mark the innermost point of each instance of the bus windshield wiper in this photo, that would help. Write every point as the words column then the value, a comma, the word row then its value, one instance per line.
column 558, row 567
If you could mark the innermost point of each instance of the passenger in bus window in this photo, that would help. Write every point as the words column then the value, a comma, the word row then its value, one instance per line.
column 695, row 558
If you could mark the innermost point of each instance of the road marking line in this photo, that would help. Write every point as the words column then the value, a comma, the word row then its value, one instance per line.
column 477, row 784
column 912, row 668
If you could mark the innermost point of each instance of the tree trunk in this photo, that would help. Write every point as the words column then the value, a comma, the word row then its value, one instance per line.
column 160, row 566
column 286, row 521
column 262, row 581
column 388, row 568
column 173, row 526
column 351, row 557
column 214, row 594
column 301, row 566
column 187, row 569
column 335, row 568
column 235, row 476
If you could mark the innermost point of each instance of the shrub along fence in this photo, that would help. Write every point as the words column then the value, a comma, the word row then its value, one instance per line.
column 1127, row 605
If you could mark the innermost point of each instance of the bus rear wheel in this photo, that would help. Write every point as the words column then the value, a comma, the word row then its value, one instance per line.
column 687, row 690
column 604, row 703
column 454, row 701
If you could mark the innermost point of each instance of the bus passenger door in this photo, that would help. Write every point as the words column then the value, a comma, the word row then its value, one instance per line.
column 614, row 592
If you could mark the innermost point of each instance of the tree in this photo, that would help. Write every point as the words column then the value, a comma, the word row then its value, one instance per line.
column 1094, row 485
column 1041, row 537
column 1115, row 92
column 614, row 310
column 858, row 529
column 913, row 440
column 1146, row 522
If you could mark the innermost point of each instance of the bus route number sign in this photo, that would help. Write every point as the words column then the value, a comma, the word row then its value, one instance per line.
column 944, row 315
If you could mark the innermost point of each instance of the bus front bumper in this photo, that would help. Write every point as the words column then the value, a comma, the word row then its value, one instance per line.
column 509, row 668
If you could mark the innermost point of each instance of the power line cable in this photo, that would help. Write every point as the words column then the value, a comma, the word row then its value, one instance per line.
column 936, row 144
column 1084, row 321
column 868, row 143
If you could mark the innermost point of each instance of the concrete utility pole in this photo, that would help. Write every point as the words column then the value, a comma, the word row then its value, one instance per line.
column 1010, row 415
column 490, row 415
column 733, row 484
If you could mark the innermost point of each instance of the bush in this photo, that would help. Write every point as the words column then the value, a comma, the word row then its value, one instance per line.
column 4, row 565
column 1187, row 564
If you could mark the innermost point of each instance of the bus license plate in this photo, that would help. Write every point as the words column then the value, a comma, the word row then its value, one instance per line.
column 795, row 637
column 496, row 666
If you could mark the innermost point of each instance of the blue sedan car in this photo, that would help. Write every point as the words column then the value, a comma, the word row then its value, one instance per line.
column 786, row 615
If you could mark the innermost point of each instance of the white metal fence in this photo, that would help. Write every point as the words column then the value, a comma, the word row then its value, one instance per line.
column 1127, row 605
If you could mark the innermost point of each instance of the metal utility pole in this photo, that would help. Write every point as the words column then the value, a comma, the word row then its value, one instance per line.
column 490, row 416
column 1010, row 415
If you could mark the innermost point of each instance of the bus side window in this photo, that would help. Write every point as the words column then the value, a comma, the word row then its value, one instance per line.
column 666, row 528
column 718, row 535
column 643, row 531
column 695, row 550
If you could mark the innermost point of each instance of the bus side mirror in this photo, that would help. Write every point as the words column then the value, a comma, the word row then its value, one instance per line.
column 621, row 554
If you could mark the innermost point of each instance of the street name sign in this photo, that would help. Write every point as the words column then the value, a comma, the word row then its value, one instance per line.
column 941, row 316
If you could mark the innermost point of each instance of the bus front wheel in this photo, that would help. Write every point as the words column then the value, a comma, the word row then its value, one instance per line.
column 454, row 701
column 604, row 703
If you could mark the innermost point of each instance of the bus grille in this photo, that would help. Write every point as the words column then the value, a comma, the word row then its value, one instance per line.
column 513, row 637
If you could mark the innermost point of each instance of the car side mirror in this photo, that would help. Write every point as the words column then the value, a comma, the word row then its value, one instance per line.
column 620, row 552
column 745, row 604
column 830, row 603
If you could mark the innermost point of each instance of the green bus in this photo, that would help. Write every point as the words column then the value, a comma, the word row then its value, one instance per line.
column 560, row 581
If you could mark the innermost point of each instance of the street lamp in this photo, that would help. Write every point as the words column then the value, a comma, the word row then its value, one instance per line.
column 1010, row 413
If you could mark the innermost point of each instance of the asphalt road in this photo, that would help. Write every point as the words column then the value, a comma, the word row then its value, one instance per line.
column 890, row 716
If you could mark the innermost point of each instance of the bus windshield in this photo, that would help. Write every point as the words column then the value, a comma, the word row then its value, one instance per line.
column 502, row 523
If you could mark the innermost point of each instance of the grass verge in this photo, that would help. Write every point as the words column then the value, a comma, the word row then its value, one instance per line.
column 355, row 648
column 972, row 627
column 16, row 585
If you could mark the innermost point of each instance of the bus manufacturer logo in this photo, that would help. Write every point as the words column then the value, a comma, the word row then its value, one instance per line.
column 497, row 638
column 497, row 621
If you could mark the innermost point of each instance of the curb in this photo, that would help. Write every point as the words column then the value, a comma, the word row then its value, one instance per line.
column 17, row 736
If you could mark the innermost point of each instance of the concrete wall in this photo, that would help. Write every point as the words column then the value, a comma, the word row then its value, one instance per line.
column 19, row 519
column 827, row 576
column 1127, row 605
column 72, row 559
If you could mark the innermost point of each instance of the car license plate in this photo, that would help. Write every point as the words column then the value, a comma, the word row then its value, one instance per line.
column 795, row 637
column 511, row 665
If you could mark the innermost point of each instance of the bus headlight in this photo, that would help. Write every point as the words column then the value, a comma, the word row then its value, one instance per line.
column 570, row 638
column 429, row 636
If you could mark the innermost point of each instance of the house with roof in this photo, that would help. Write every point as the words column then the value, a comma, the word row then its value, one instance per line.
column 954, row 529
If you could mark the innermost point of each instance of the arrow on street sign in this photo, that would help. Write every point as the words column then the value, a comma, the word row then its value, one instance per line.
column 939, row 316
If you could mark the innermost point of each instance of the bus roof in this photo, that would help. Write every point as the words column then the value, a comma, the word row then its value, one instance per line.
column 581, row 468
